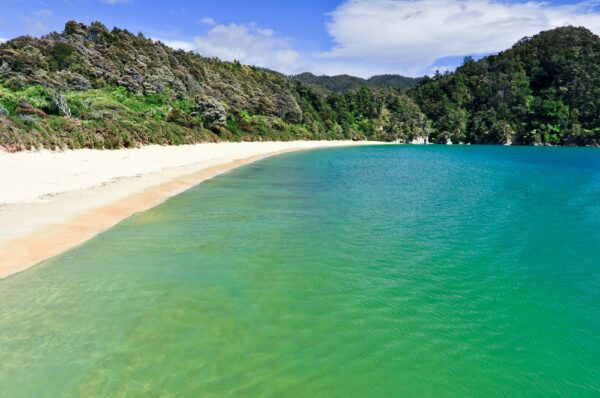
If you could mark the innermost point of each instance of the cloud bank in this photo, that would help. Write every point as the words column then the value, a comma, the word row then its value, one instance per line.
column 408, row 36
column 249, row 44
column 394, row 36
column 114, row 2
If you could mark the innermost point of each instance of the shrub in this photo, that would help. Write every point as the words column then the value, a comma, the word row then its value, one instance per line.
column 60, row 55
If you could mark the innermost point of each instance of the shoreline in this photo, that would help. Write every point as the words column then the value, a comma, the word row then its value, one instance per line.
column 41, row 227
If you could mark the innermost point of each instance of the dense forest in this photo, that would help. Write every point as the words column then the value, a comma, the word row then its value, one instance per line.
column 342, row 83
column 544, row 90
column 89, row 86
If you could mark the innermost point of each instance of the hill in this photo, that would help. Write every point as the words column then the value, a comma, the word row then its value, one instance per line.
column 543, row 90
column 91, row 87
column 342, row 83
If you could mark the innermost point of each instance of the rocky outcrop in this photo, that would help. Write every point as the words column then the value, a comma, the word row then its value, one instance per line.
column 420, row 141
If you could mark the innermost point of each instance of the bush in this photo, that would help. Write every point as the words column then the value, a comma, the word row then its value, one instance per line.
column 60, row 55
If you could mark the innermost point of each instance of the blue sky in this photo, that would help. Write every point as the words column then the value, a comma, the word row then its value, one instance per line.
column 360, row 37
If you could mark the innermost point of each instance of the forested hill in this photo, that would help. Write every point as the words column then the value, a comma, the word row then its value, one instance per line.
column 89, row 86
column 343, row 83
column 544, row 90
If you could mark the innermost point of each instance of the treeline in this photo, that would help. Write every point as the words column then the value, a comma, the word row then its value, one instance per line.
column 92, row 87
column 343, row 83
column 544, row 90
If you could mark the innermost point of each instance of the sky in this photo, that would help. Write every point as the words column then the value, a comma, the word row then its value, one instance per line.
column 356, row 37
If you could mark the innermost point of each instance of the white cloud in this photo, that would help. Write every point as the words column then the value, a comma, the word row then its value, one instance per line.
column 36, row 27
column 207, row 21
column 43, row 13
column 2, row 40
column 249, row 44
column 407, row 36
column 37, row 22
column 177, row 44
column 114, row 2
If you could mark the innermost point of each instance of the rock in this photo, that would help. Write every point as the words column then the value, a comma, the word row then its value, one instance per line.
column 3, row 112
column 420, row 141
column 5, row 70
column 61, row 103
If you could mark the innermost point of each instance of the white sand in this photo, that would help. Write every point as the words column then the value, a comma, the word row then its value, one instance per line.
column 52, row 201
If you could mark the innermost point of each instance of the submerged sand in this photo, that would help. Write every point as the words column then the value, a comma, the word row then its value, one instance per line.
column 53, row 201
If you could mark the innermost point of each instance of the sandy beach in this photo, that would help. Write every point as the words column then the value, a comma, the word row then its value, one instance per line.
column 53, row 201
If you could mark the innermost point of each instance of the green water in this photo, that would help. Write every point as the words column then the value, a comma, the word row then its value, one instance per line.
column 378, row 271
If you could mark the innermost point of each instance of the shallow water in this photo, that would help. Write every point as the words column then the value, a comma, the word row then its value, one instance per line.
column 373, row 271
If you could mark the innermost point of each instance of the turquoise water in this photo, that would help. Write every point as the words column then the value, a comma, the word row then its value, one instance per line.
column 377, row 271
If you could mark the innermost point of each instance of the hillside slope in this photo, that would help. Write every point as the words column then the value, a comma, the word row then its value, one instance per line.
column 544, row 90
column 91, row 87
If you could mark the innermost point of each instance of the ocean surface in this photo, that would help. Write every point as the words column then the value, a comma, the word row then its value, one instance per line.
column 417, row 271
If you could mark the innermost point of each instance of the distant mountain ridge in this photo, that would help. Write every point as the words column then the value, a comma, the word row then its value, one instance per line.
column 341, row 83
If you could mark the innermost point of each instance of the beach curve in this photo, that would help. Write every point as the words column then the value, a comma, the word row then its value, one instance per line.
column 49, row 207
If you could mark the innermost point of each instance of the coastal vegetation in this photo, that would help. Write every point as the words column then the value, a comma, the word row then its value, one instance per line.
column 544, row 90
column 92, row 87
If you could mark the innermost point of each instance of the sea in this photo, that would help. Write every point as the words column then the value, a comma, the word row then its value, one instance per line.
column 377, row 271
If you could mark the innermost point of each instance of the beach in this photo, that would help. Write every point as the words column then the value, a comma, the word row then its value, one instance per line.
column 53, row 201
column 411, row 265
